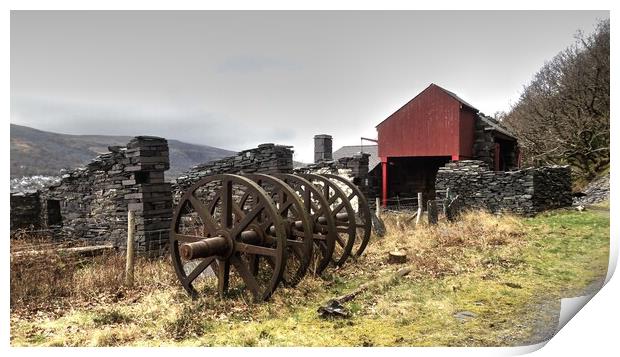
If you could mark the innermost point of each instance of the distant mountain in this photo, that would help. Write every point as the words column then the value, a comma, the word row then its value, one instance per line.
column 37, row 152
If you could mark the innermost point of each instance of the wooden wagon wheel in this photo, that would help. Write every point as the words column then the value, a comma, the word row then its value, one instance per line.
column 211, row 233
column 299, row 228
column 362, row 218
column 324, row 226
column 340, row 209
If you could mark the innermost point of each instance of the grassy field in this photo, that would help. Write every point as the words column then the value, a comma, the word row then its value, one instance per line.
column 501, row 274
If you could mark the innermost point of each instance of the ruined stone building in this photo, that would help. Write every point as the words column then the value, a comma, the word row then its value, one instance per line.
column 91, row 203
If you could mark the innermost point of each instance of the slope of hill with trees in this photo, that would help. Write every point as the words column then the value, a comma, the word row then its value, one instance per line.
column 562, row 116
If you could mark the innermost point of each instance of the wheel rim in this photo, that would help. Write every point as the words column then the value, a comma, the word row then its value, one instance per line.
column 338, row 204
column 211, row 209
column 363, row 222
column 317, row 207
column 298, row 223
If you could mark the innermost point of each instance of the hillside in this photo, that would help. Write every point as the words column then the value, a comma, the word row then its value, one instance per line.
column 37, row 152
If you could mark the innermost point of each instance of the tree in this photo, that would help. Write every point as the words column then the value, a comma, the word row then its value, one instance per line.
column 562, row 116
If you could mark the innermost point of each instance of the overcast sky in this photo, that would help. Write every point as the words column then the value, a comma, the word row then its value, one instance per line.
column 238, row 79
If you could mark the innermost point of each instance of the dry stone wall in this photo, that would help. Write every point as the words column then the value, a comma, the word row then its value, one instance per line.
column 91, row 203
column 524, row 192
column 354, row 168
column 266, row 158
column 484, row 144
column 25, row 210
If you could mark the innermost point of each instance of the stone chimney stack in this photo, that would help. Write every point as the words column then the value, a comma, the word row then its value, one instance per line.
column 322, row 148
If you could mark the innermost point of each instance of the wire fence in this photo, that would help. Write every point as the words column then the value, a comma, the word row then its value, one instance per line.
column 152, row 235
column 403, row 204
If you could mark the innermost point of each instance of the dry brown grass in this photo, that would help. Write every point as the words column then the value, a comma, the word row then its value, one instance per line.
column 53, row 282
column 449, row 248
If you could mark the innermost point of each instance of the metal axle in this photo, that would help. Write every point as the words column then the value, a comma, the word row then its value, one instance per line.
column 218, row 246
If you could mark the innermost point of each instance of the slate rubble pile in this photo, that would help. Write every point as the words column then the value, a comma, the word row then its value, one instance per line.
column 525, row 192
column 595, row 192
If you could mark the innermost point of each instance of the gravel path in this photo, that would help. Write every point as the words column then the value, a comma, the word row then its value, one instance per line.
column 546, row 324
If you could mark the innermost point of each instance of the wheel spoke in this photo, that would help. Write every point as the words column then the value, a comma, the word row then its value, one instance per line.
column 239, row 214
column 185, row 238
column 343, row 229
column 307, row 200
column 285, row 206
column 227, row 201
column 242, row 268
column 244, row 198
column 320, row 237
column 213, row 203
column 254, row 263
column 199, row 269
column 247, row 219
column 297, row 247
column 340, row 240
column 339, row 207
column 223, row 274
column 254, row 249
column 204, row 215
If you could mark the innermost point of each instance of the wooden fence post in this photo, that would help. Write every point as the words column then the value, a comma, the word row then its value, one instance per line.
column 432, row 212
column 446, row 202
column 131, row 231
column 420, row 208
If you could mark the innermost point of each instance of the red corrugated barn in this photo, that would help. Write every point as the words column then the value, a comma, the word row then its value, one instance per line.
column 433, row 128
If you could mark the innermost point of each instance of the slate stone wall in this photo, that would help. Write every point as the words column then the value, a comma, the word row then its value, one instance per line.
column 484, row 144
column 552, row 187
column 25, row 210
column 93, row 200
column 355, row 169
column 266, row 158
column 525, row 192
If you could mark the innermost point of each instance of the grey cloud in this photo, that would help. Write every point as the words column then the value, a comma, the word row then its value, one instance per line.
column 195, row 126
column 249, row 64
